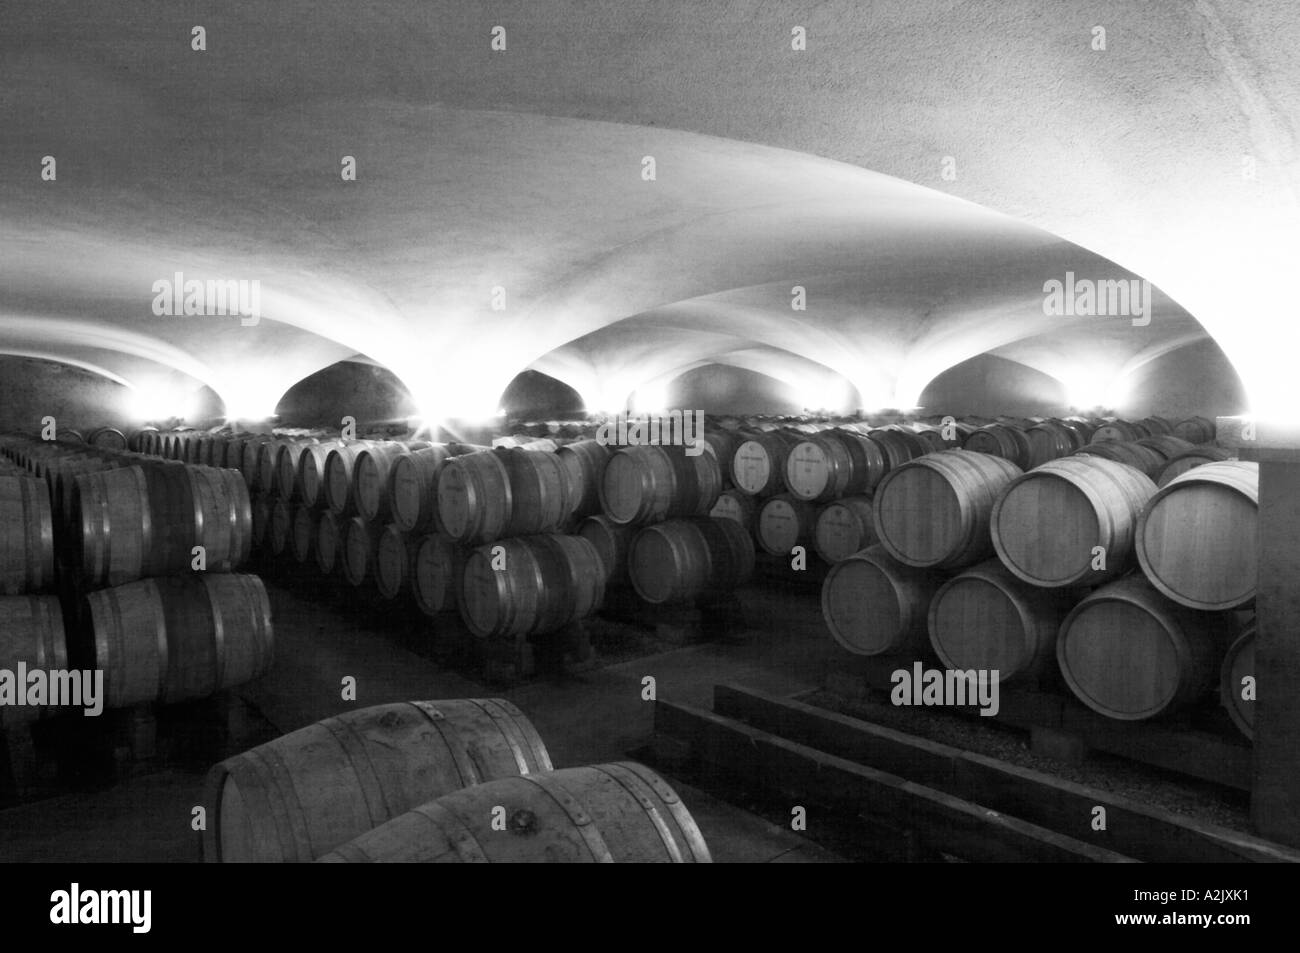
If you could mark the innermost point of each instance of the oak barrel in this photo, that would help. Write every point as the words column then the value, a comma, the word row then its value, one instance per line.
column 988, row 620
column 436, row 572
column 31, row 632
column 1047, row 525
column 529, row 585
column 26, row 536
column 302, row 795
column 934, row 511
column 620, row 812
column 844, row 527
column 875, row 605
column 647, row 484
column 177, row 638
column 1198, row 538
column 680, row 560
column 783, row 523
column 1129, row 653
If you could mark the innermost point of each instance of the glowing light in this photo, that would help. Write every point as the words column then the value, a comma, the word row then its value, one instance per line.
column 651, row 398
column 1091, row 388
column 161, row 401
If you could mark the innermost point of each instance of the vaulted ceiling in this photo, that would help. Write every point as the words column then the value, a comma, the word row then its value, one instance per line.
column 502, row 217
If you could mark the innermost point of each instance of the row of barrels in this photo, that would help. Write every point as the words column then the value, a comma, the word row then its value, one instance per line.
column 117, row 516
column 1124, row 649
column 432, row 781
column 166, row 640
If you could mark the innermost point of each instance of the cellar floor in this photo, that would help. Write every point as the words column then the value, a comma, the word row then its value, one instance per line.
column 585, row 718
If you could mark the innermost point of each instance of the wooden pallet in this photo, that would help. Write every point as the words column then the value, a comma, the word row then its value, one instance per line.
column 884, row 815
column 1134, row 829
column 1200, row 746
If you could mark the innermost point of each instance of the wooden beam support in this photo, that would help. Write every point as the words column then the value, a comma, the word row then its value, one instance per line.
column 1275, row 800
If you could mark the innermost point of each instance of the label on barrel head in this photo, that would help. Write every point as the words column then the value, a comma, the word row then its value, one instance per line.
column 750, row 467
column 806, row 470
column 779, row 526
column 728, row 507
column 839, row 533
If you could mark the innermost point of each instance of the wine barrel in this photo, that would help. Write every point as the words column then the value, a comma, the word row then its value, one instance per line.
column 612, row 541
column 261, row 509
column 340, row 463
column 542, row 583
column 474, row 497
column 1195, row 430
column 178, row 638
column 843, row 528
column 283, row 514
column 413, row 486
column 108, row 438
column 999, row 440
column 988, row 620
column 897, row 447
column 1133, row 454
column 819, row 469
column 328, row 543
column 31, row 633
column 298, row 797
column 1180, row 463
column 303, row 533
column 1050, row 440
column 585, row 462
column 783, row 523
column 371, row 480
column 1121, row 431
column 1129, row 653
column 1239, row 665
column 26, row 536
column 934, row 511
column 607, row 813
column 648, row 484
column 540, row 492
column 1047, row 524
column 680, row 560
column 1167, row 446
column 1198, row 538
column 310, row 468
column 436, row 572
column 287, row 456
column 875, row 605
column 758, row 465
column 1157, row 426
column 358, row 548
column 736, row 505
column 722, row 444
column 394, row 561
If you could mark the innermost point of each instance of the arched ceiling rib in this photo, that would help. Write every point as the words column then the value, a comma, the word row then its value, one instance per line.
column 521, row 171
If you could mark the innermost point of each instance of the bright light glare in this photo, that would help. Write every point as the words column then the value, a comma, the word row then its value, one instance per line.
column 158, row 401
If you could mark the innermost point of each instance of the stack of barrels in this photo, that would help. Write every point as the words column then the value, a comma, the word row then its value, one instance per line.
column 813, row 487
column 146, row 555
column 458, row 781
column 31, row 620
column 655, row 530
column 1080, row 568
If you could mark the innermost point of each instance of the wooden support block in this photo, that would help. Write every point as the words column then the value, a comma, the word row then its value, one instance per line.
column 804, row 776
column 1275, row 804
column 1132, row 828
